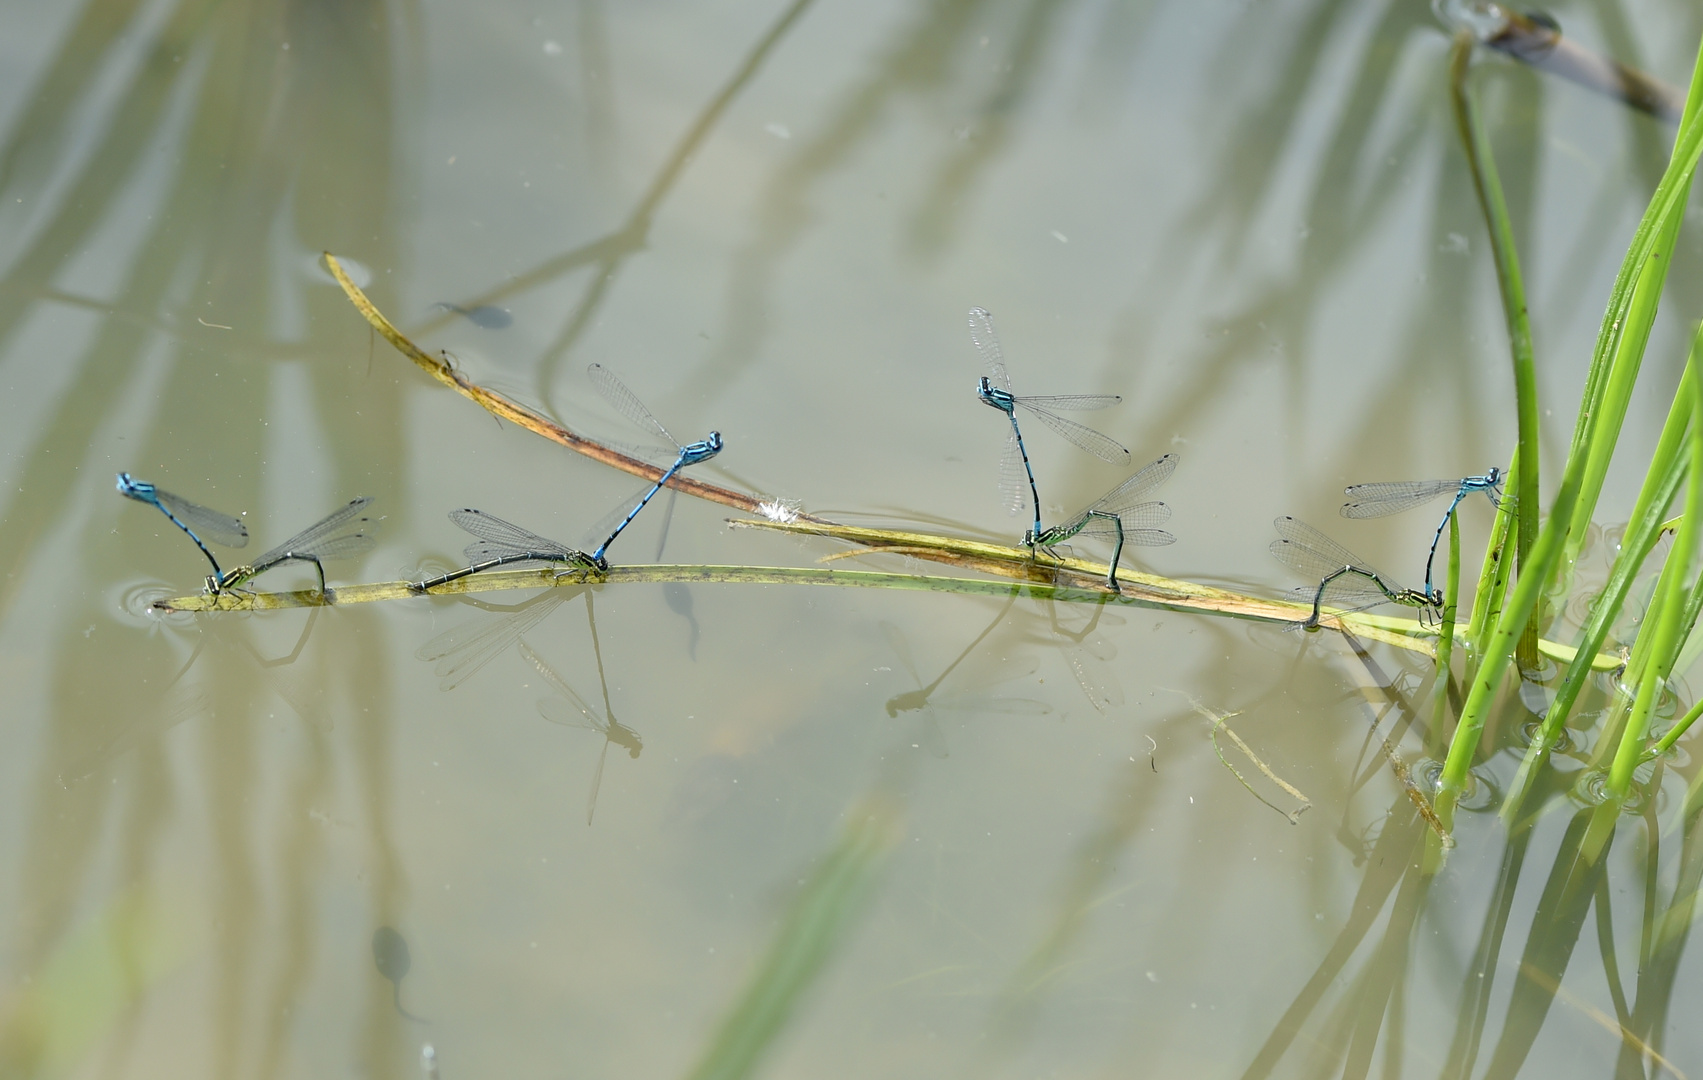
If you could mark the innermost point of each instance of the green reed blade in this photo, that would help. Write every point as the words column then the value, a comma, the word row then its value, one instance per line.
column 1494, row 575
column 1486, row 181
column 1645, row 266
column 1661, row 482
column 1669, row 612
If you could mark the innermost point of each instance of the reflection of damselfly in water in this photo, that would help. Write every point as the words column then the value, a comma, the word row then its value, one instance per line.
column 501, row 543
column 1119, row 515
column 994, row 389
column 1086, row 655
column 1392, row 497
column 616, row 393
column 571, row 710
column 1346, row 582
column 342, row 535
column 462, row 650
column 924, row 701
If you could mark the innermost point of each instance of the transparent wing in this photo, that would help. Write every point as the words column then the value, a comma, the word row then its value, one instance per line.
column 1085, row 438
column 1383, row 499
column 615, row 392
column 1352, row 592
column 496, row 531
column 987, row 343
column 1344, row 594
column 1147, row 516
column 1128, row 495
column 340, row 547
column 1071, row 402
column 1149, row 538
column 1144, row 534
column 596, row 783
column 618, row 513
column 1312, row 554
column 567, row 714
column 1013, row 480
column 465, row 649
column 1099, row 686
column 331, row 537
column 901, row 648
column 209, row 524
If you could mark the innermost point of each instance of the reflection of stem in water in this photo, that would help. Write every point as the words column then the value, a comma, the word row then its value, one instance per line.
column 562, row 712
column 607, row 253
column 919, row 63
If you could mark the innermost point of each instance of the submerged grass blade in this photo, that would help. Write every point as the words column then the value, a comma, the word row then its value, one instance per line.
column 815, row 928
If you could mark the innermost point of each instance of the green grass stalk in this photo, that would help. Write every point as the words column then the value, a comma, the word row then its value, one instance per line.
column 1631, row 313
column 1668, row 612
column 1667, row 469
column 1446, row 627
column 1622, row 337
column 1488, row 184
column 1494, row 575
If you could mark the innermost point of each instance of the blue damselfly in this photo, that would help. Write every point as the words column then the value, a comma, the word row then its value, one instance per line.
column 188, row 516
column 616, row 393
column 1392, row 497
column 994, row 389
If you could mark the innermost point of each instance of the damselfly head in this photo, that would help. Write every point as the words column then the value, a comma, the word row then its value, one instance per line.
column 999, row 399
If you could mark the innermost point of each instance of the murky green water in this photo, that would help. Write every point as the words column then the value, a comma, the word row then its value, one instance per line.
column 1251, row 221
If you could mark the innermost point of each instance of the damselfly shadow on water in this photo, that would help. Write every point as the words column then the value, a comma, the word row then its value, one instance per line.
column 925, row 700
column 465, row 649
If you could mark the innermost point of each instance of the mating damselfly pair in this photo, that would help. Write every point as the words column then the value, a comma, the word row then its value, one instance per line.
column 1345, row 582
column 1121, row 515
column 349, row 531
column 1348, row 583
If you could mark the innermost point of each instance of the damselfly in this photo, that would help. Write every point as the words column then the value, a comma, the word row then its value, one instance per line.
column 616, row 393
column 1349, row 581
column 342, row 535
column 994, row 389
column 1392, row 497
column 501, row 543
column 188, row 516
column 1121, row 515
